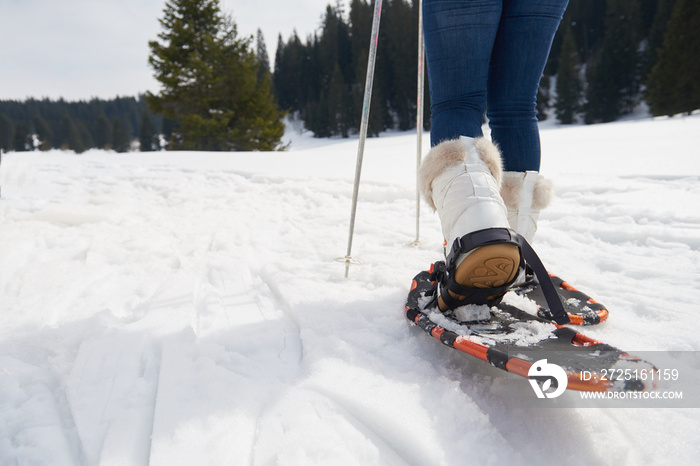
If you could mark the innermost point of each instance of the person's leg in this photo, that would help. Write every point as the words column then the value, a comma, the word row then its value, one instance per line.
column 459, row 38
column 460, row 177
column 517, row 62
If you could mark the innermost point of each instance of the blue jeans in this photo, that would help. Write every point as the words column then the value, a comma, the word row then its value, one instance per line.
column 489, row 55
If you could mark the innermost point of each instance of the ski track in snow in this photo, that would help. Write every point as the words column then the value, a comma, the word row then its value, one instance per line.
column 185, row 308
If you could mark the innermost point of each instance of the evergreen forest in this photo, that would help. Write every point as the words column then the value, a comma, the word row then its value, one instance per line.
column 608, row 58
column 105, row 124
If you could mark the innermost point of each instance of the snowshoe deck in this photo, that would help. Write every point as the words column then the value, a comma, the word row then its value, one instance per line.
column 513, row 340
column 582, row 309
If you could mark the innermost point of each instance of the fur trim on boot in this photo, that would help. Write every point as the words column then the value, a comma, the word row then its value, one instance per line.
column 525, row 195
column 449, row 153
column 460, row 179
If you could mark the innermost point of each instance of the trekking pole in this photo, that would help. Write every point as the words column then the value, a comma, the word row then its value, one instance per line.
column 348, row 259
column 419, row 114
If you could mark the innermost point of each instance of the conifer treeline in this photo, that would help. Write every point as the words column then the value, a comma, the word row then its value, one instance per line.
column 322, row 80
column 608, row 56
column 45, row 124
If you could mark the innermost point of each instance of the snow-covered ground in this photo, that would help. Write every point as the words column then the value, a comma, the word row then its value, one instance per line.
column 186, row 308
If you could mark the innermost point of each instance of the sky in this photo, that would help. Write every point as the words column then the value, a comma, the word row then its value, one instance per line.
column 80, row 49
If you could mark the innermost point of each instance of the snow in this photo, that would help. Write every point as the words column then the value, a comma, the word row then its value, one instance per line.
column 186, row 308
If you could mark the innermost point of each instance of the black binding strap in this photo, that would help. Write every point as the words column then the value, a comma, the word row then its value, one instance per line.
column 556, row 311
column 489, row 296
column 492, row 296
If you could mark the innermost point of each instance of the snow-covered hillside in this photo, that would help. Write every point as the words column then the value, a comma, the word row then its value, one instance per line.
column 186, row 308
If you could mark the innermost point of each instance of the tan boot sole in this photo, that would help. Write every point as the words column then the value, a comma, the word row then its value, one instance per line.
column 486, row 267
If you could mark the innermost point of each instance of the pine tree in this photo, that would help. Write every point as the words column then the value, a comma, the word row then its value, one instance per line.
column 261, row 55
column 68, row 136
column 400, row 35
column 614, row 81
column 361, row 31
column 209, row 82
column 656, row 32
column 335, row 99
column 43, row 132
column 147, row 136
column 334, row 51
column 120, row 138
column 22, row 138
column 7, row 133
column 674, row 81
column 278, row 84
column 587, row 21
column 85, row 134
column 568, row 82
column 287, row 77
column 103, row 132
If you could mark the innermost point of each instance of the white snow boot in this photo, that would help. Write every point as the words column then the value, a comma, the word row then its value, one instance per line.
column 461, row 180
column 525, row 194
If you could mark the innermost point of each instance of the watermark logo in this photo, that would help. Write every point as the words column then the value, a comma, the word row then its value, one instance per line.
column 544, row 377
